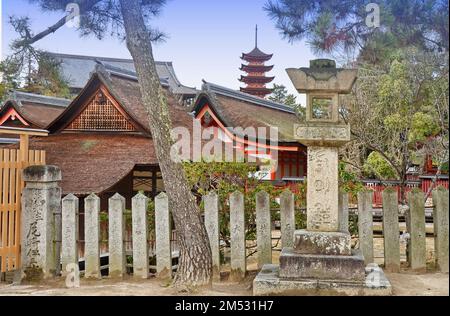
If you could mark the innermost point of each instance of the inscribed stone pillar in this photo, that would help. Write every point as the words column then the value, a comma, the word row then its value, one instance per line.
column 92, row 237
column 417, row 254
column 391, row 231
column 70, row 233
column 41, row 199
column 237, row 237
column 211, row 203
column 140, row 236
column 440, row 216
column 116, row 219
column 287, row 214
column 163, row 232
column 322, row 191
column 263, row 229
column 365, row 225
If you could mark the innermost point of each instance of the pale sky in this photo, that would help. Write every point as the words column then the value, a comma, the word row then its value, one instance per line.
column 206, row 39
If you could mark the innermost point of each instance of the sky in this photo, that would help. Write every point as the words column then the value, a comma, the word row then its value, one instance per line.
column 205, row 39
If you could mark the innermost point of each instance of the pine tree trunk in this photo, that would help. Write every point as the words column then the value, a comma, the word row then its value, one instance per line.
column 195, row 263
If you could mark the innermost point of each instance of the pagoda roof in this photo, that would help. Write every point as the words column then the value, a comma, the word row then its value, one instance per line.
column 256, row 68
column 256, row 54
column 256, row 79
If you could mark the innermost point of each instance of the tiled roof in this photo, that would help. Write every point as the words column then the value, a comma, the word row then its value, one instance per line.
column 37, row 110
column 237, row 109
column 77, row 69
column 38, row 99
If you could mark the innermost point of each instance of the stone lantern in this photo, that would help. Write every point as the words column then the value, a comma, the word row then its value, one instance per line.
column 323, row 133
column 322, row 260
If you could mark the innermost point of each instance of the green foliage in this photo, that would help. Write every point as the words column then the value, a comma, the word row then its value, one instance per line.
column 341, row 26
column 376, row 166
column 224, row 178
column 281, row 95
column 348, row 181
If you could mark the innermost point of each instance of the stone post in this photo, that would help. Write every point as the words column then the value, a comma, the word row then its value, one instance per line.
column 92, row 237
column 263, row 229
column 116, row 222
column 211, row 202
column 287, row 214
column 440, row 215
column 365, row 225
column 391, row 231
column 322, row 191
column 70, row 233
column 417, row 254
column 163, row 232
column 343, row 212
column 41, row 200
column 237, row 237
column 140, row 236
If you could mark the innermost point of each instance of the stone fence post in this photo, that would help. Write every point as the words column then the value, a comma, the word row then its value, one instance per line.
column 391, row 231
column 263, row 229
column 416, row 247
column 163, row 232
column 140, row 236
column 440, row 201
column 211, row 202
column 365, row 225
column 70, row 232
column 41, row 200
column 237, row 237
column 287, row 216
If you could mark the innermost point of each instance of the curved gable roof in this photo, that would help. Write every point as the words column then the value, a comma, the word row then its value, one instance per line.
column 36, row 110
column 237, row 109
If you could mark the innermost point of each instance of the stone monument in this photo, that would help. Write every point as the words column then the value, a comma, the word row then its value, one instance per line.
column 322, row 261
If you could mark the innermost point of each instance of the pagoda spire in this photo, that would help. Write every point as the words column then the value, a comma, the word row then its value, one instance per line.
column 256, row 69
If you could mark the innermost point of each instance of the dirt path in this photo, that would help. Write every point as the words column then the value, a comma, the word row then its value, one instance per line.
column 409, row 284
column 429, row 284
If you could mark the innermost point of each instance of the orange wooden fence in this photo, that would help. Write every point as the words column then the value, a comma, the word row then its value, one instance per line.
column 12, row 162
column 11, row 185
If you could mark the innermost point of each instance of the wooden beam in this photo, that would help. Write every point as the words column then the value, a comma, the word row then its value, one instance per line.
column 23, row 131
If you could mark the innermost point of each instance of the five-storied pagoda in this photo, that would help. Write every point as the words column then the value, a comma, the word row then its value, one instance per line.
column 256, row 69
column 322, row 261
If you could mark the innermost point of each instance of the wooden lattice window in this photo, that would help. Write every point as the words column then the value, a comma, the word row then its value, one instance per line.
column 101, row 114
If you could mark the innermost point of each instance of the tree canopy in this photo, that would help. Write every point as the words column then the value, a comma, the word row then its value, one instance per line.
column 330, row 25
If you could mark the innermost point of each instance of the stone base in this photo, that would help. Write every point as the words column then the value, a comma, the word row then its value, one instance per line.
column 269, row 283
column 294, row 265
column 322, row 243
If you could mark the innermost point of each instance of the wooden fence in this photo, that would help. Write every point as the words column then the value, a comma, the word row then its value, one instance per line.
column 12, row 162
column 238, row 244
column 11, row 185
